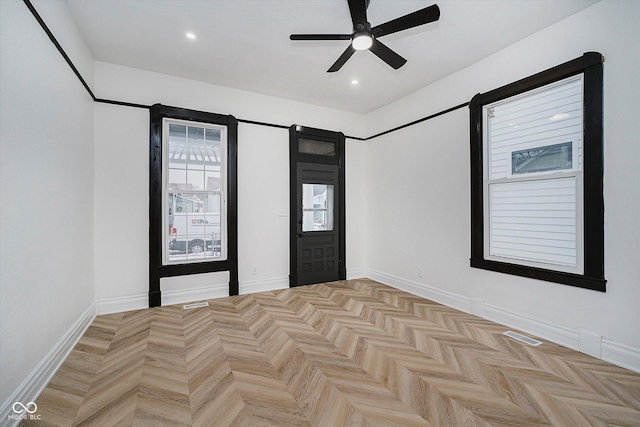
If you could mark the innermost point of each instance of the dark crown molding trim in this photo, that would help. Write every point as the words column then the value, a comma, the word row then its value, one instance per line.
column 125, row 104
column 36, row 15
column 415, row 122
column 252, row 122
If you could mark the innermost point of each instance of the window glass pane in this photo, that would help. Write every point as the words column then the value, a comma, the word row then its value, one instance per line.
column 177, row 157
column 194, row 226
column 318, row 148
column 177, row 179
column 212, row 147
column 540, row 159
column 212, row 135
column 195, row 179
column 194, row 203
column 534, row 221
column 317, row 207
column 540, row 118
column 532, row 216
column 212, row 181
column 195, row 165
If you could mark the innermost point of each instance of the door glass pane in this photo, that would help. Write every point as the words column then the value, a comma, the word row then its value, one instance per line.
column 318, row 148
column 317, row 207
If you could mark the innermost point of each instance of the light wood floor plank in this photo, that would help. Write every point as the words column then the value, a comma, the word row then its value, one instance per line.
column 351, row 353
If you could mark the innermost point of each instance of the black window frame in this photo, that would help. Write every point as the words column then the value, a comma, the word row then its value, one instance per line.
column 590, row 65
column 156, row 268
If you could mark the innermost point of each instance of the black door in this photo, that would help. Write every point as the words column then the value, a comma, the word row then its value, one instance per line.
column 317, row 207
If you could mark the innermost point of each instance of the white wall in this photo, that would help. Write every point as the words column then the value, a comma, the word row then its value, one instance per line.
column 356, row 186
column 418, row 190
column 74, row 188
column 46, row 191
column 122, row 185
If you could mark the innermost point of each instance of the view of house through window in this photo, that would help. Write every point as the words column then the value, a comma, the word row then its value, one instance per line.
column 194, row 188
column 533, row 177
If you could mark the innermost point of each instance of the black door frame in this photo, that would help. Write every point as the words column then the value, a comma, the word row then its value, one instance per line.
column 295, row 133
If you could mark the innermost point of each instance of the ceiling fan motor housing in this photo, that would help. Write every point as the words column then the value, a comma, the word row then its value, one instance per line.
column 362, row 40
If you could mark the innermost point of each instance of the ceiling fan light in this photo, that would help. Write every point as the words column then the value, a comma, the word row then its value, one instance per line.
column 362, row 41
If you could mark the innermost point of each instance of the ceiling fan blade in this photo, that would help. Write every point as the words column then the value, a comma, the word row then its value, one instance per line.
column 320, row 37
column 358, row 10
column 419, row 17
column 341, row 61
column 387, row 55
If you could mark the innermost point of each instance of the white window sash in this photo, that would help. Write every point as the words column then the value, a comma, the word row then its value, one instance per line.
column 579, row 267
column 222, row 191
column 509, row 178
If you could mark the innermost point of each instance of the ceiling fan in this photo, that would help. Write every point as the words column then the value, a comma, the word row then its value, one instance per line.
column 366, row 37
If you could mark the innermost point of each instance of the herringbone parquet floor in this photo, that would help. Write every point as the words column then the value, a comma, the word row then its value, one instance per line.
column 355, row 353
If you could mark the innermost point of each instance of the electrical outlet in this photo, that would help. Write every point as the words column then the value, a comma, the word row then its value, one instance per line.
column 254, row 270
column 420, row 272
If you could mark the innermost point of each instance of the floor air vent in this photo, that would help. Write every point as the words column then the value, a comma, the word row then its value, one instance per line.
column 195, row 305
column 522, row 338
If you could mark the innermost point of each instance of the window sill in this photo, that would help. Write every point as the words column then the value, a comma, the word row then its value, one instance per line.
column 580, row 281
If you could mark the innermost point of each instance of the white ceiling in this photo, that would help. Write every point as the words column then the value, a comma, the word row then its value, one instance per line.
column 245, row 44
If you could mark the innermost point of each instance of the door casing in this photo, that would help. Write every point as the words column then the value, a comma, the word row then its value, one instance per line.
column 296, row 159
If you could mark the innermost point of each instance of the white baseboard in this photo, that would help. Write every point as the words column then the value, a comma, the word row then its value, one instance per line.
column 618, row 354
column 621, row 355
column 198, row 294
column 38, row 379
column 120, row 304
column 140, row 302
column 547, row 331
column 356, row 273
column 449, row 299
column 254, row 286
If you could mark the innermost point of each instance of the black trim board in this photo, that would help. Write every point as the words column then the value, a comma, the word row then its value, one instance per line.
column 590, row 64
column 415, row 122
column 156, row 269
column 48, row 32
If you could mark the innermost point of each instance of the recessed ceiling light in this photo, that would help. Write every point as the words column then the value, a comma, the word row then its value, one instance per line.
column 354, row 82
column 191, row 36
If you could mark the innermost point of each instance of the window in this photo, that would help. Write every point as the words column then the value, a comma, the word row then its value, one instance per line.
column 536, row 145
column 532, row 205
column 192, row 196
column 194, row 181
